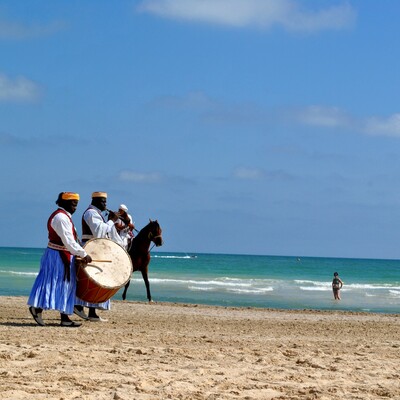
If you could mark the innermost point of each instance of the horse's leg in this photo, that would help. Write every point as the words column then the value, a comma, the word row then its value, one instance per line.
column 147, row 283
column 125, row 290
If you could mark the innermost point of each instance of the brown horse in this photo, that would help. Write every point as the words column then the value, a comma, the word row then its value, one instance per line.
column 140, row 253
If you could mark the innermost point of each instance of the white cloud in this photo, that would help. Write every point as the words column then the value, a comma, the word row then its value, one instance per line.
column 246, row 173
column 335, row 17
column 213, row 110
column 389, row 126
column 139, row 177
column 18, row 89
column 216, row 111
column 334, row 117
column 257, row 174
column 262, row 14
column 330, row 117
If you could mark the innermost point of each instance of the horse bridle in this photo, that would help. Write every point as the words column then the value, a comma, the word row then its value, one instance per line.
column 152, row 237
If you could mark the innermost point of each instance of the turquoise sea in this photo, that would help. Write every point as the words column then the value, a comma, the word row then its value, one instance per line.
column 240, row 280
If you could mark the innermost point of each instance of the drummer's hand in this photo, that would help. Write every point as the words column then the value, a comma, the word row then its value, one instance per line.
column 87, row 259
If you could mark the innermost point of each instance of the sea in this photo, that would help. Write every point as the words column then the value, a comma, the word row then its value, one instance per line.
column 228, row 280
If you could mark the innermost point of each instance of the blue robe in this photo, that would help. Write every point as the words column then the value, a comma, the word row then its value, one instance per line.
column 50, row 291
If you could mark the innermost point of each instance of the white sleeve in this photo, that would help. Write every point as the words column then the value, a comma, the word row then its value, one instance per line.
column 115, row 237
column 99, row 228
column 63, row 227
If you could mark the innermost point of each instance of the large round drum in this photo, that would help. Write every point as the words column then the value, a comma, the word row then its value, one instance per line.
column 110, row 269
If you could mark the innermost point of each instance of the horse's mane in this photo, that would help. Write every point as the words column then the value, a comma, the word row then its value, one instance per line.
column 144, row 232
column 146, row 228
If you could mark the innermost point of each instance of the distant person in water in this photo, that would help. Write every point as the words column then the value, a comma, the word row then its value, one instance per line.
column 337, row 284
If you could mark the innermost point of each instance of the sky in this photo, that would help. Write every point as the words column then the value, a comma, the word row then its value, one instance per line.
column 267, row 127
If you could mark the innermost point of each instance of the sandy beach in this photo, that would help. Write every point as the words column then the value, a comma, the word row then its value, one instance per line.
column 177, row 351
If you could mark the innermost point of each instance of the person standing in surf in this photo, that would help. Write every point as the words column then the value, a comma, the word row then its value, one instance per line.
column 337, row 284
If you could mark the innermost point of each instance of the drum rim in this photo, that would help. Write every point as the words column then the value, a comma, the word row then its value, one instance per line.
column 130, row 262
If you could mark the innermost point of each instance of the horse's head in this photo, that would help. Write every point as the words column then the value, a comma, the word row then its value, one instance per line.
column 155, row 233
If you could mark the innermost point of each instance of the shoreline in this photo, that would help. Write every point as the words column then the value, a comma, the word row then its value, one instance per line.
column 190, row 351
column 254, row 308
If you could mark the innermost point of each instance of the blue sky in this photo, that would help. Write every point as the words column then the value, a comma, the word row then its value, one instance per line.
column 243, row 126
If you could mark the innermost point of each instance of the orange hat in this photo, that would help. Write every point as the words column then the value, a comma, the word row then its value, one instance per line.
column 70, row 196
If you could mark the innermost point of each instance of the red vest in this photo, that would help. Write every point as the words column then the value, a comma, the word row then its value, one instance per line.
column 55, row 239
column 53, row 236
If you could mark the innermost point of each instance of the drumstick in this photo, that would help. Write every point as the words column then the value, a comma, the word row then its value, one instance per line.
column 96, row 260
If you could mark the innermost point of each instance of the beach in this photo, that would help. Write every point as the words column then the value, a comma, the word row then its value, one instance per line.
column 181, row 351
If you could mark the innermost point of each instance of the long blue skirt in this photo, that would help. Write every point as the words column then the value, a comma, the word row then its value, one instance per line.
column 50, row 291
column 101, row 306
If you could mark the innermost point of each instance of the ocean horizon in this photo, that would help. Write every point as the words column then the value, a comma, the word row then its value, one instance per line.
column 231, row 280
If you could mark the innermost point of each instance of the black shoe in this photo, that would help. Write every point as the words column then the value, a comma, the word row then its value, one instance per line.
column 80, row 313
column 36, row 316
column 70, row 324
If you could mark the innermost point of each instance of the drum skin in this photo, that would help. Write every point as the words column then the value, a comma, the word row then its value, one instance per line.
column 101, row 279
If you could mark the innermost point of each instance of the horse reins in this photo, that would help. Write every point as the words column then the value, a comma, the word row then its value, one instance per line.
column 151, row 238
